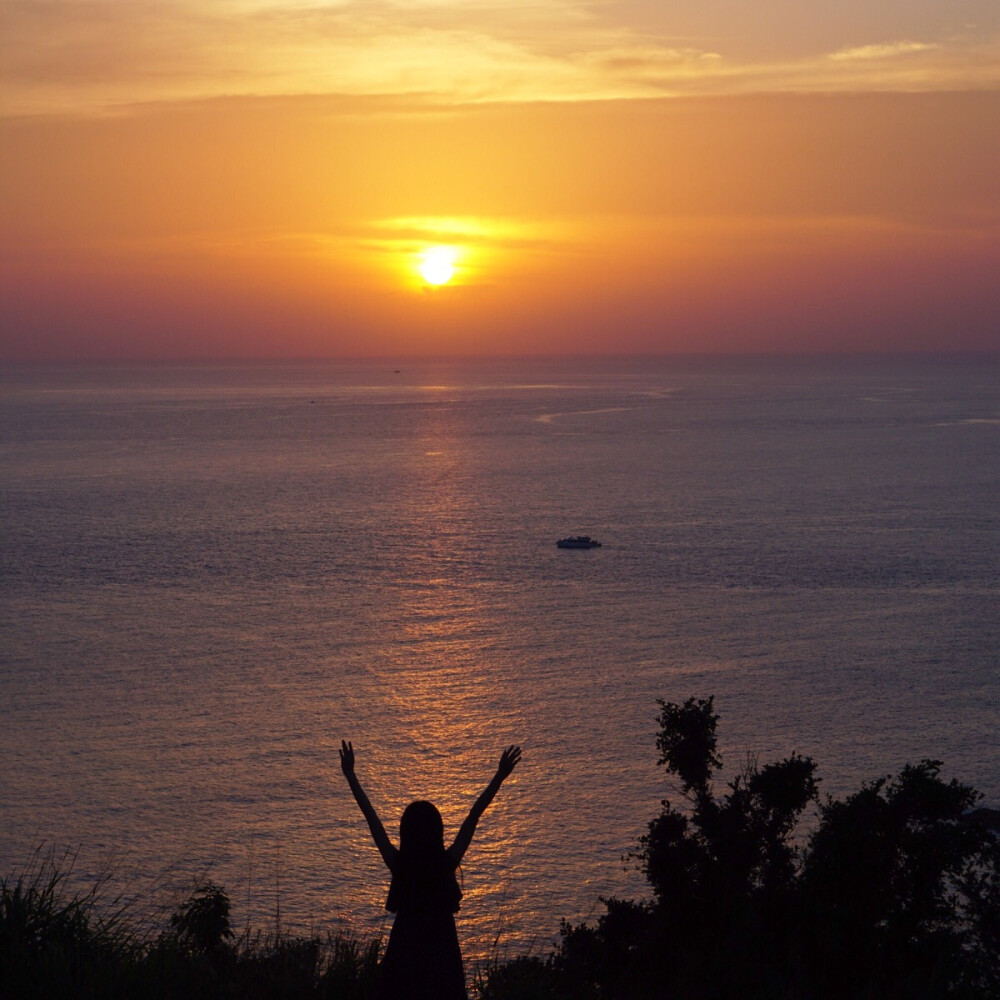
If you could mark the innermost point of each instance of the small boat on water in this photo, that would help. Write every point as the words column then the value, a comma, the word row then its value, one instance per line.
column 578, row 542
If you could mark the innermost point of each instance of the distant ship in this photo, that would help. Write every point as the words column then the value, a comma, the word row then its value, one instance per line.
column 578, row 542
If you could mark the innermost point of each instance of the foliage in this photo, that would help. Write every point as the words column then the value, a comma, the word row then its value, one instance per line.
column 526, row 977
column 51, row 940
column 900, row 888
column 894, row 895
column 202, row 923
column 55, row 944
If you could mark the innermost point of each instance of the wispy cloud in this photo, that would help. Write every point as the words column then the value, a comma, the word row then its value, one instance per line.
column 93, row 55
column 883, row 51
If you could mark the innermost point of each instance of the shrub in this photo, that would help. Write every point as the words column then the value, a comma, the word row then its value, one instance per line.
column 895, row 895
column 57, row 944
column 202, row 923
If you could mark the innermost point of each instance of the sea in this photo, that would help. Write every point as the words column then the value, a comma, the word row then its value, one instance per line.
column 214, row 573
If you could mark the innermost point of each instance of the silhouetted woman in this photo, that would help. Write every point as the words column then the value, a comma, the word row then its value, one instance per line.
column 422, row 960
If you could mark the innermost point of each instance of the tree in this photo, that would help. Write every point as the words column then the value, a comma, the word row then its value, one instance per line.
column 900, row 889
column 723, row 870
column 895, row 895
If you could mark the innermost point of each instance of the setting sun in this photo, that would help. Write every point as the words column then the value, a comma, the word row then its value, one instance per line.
column 437, row 264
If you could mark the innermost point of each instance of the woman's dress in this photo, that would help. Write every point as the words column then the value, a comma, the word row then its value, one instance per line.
column 423, row 960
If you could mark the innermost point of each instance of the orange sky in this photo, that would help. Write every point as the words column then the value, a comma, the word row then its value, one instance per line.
column 258, row 179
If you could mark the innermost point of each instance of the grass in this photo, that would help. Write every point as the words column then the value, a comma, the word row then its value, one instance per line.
column 60, row 943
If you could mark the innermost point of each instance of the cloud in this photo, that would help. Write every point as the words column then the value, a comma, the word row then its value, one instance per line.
column 95, row 54
column 92, row 56
column 476, row 229
column 651, row 64
column 883, row 51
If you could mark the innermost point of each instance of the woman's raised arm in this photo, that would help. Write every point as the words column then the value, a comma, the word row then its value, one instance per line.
column 508, row 761
column 381, row 838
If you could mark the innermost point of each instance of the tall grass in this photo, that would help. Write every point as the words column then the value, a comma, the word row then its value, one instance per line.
column 59, row 943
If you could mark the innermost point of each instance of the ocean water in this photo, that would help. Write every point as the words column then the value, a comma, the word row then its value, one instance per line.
column 212, row 574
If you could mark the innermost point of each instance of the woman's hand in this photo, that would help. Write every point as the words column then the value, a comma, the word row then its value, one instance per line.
column 381, row 838
column 508, row 761
column 346, row 757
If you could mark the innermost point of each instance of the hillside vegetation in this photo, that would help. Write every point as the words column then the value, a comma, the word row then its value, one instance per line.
column 894, row 895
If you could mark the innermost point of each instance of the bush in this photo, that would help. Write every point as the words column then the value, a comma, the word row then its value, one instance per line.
column 54, row 944
column 202, row 923
column 894, row 895
column 899, row 889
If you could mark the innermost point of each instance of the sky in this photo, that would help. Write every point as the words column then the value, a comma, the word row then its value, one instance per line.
column 263, row 178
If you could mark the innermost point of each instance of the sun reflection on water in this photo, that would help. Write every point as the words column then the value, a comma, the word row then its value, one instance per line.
column 447, row 710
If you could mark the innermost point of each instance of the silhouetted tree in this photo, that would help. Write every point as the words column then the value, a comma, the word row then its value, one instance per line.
column 898, row 889
column 895, row 895
column 723, row 870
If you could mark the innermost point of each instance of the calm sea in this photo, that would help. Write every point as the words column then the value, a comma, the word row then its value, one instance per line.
column 211, row 574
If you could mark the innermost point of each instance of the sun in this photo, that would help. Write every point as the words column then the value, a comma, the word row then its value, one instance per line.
column 437, row 264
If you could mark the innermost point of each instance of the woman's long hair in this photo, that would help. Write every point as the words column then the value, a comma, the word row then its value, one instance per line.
column 424, row 875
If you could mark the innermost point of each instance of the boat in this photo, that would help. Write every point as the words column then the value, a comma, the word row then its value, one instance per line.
column 578, row 542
